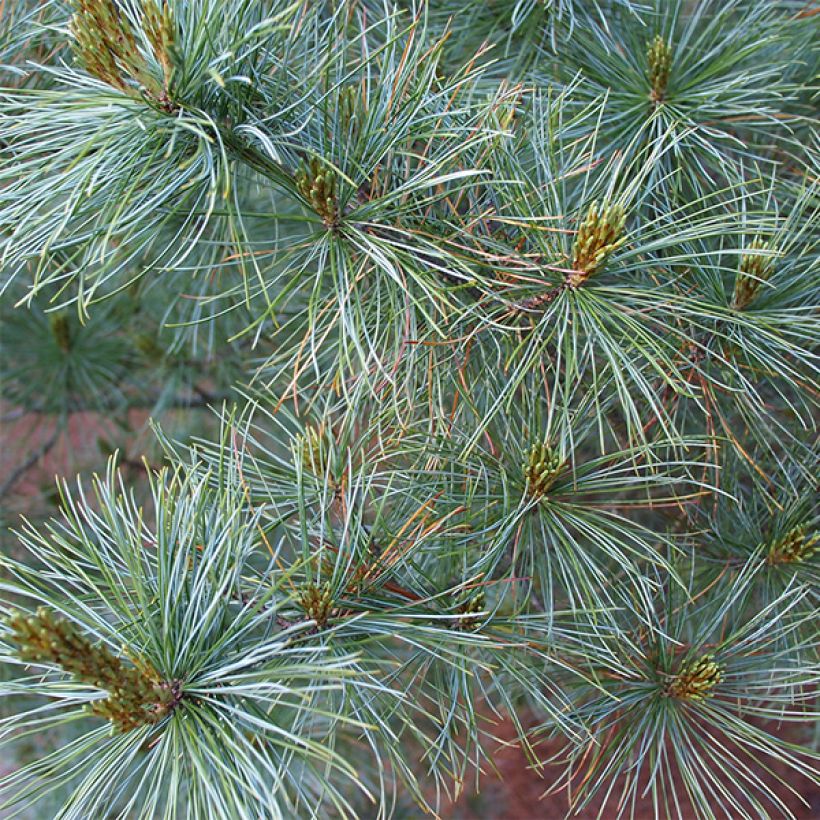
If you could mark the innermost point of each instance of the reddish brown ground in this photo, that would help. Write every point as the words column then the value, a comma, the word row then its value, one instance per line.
column 72, row 451
column 518, row 792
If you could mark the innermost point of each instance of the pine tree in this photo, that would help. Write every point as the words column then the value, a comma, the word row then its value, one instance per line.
column 492, row 329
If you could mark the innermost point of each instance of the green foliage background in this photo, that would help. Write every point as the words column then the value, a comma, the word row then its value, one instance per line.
column 476, row 344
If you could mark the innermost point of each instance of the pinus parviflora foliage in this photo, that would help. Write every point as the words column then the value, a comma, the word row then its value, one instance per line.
column 507, row 315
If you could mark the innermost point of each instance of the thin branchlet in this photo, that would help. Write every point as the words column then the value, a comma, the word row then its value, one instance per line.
column 540, row 300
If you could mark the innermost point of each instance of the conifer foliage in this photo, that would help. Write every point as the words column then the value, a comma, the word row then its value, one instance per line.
column 506, row 316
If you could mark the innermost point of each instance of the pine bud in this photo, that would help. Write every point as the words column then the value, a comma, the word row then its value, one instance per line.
column 696, row 679
column 136, row 694
column 659, row 56
column 542, row 469
column 468, row 610
column 147, row 345
column 317, row 184
column 317, row 603
column 598, row 236
column 106, row 46
column 61, row 330
column 313, row 451
column 755, row 269
column 347, row 108
column 794, row 547
column 102, row 40
column 160, row 29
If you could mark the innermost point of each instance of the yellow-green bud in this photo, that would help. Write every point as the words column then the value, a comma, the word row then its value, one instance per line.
column 61, row 330
column 794, row 547
column 317, row 603
column 697, row 679
column 136, row 694
column 468, row 611
column 312, row 449
column 659, row 56
column 755, row 269
column 542, row 469
column 317, row 184
column 106, row 46
column 598, row 236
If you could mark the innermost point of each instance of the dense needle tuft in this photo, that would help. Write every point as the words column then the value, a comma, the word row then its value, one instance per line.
column 480, row 342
